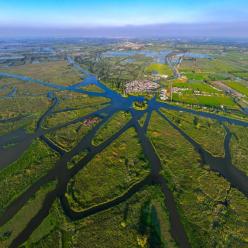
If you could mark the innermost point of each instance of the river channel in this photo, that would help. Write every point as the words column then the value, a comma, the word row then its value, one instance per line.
column 63, row 174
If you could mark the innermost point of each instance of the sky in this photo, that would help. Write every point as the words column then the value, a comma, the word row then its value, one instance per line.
column 74, row 14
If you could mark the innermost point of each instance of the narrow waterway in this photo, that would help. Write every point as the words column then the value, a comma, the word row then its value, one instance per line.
column 62, row 174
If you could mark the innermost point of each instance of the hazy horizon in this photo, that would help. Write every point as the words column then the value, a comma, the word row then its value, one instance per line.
column 201, row 30
column 223, row 18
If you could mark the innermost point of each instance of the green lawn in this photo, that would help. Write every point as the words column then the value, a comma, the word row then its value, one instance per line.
column 161, row 69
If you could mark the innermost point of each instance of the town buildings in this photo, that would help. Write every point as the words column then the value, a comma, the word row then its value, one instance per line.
column 138, row 86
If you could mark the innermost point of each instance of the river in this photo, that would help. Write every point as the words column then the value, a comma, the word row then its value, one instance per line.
column 62, row 174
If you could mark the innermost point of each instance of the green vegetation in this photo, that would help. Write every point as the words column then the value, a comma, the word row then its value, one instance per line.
column 68, row 137
column 161, row 69
column 202, row 73
column 24, row 88
column 21, row 174
column 11, row 229
column 58, row 72
column 110, row 173
column 239, row 149
column 75, row 159
column 213, row 213
column 213, row 101
column 140, row 105
column 243, row 75
column 196, row 86
column 111, row 127
column 238, row 86
column 195, row 76
column 78, row 100
column 142, row 120
column 210, row 67
column 28, row 109
column 199, row 192
column 92, row 87
column 64, row 117
column 115, row 72
column 130, row 224
column 208, row 133
column 18, row 106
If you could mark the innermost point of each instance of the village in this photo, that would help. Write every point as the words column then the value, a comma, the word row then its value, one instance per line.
column 130, row 46
column 139, row 86
column 165, row 93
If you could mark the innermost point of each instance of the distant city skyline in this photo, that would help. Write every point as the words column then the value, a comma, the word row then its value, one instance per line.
column 212, row 17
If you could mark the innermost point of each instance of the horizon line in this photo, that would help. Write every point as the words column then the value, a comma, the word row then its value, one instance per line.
column 91, row 25
column 200, row 29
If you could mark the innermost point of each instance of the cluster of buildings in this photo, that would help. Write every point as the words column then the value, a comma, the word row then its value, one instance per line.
column 138, row 86
column 163, row 95
column 130, row 46
column 90, row 122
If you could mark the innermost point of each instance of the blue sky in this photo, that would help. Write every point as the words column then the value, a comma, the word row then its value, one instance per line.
column 79, row 13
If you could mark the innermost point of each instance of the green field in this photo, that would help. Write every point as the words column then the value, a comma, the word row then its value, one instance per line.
column 161, row 69
column 196, row 85
column 211, row 101
column 238, row 86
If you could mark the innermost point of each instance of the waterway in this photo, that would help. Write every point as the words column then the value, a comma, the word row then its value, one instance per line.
column 62, row 174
